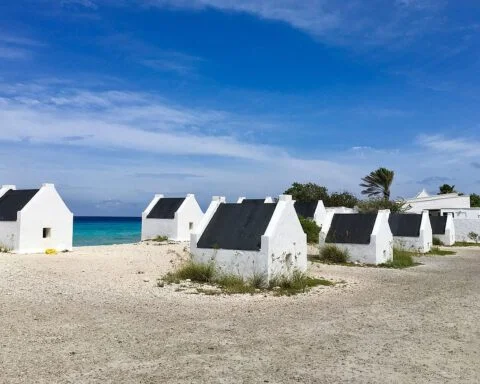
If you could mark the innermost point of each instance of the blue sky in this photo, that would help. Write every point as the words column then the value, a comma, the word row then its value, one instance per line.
column 114, row 100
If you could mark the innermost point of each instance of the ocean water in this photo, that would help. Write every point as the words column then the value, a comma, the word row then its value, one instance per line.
column 105, row 230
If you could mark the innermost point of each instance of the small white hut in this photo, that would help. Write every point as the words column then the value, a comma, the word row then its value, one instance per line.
column 267, row 200
column 34, row 220
column 443, row 228
column 251, row 239
column 173, row 217
column 412, row 232
column 365, row 236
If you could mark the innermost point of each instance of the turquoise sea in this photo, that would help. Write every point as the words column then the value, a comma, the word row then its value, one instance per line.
column 105, row 230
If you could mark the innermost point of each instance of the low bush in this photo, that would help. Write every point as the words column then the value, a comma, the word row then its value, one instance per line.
column 160, row 238
column 437, row 241
column 474, row 237
column 333, row 254
column 465, row 244
column 311, row 228
column 401, row 259
column 198, row 272
column 234, row 284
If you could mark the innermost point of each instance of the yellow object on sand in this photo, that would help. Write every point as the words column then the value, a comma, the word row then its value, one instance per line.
column 51, row 251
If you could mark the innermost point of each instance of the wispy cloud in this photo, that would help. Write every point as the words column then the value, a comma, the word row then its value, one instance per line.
column 433, row 180
column 14, row 47
column 152, row 56
column 475, row 164
column 462, row 147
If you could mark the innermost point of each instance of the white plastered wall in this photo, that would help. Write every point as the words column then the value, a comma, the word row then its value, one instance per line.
column 320, row 214
column 283, row 246
column 8, row 229
column 452, row 200
column 178, row 228
column 285, row 240
column 422, row 243
column 45, row 210
column 378, row 251
column 449, row 237
column 268, row 200
column 463, row 227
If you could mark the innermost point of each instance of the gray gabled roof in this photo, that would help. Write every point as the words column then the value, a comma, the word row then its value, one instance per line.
column 405, row 224
column 306, row 209
column 166, row 208
column 237, row 227
column 14, row 201
column 351, row 228
column 439, row 224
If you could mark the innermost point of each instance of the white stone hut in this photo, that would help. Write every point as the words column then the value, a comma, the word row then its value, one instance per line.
column 251, row 239
column 173, row 217
column 443, row 228
column 365, row 236
column 34, row 220
column 411, row 231
column 267, row 200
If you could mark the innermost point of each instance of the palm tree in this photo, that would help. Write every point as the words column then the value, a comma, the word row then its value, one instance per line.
column 446, row 188
column 378, row 183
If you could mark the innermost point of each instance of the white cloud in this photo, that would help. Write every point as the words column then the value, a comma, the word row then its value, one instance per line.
column 461, row 147
column 14, row 47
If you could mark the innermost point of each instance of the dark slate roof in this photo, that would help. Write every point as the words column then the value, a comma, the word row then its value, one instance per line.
column 254, row 201
column 306, row 209
column 351, row 228
column 166, row 208
column 237, row 226
column 405, row 224
column 438, row 224
column 13, row 201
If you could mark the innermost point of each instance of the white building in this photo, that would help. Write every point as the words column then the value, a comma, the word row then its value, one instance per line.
column 443, row 228
column 411, row 231
column 342, row 210
column 251, row 239
column 365, row 236
column 313, row 210
column 172, row 217
column 267, row 200
column 424, row 201
column 34, row 220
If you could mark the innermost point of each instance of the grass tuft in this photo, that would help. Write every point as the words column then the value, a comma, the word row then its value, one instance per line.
column 465, row 244
column 160, row 238
column 401, row 259
column 233, row 284
column 197, row 272
column 436, row 241
column 440, row 252
column 333, row 254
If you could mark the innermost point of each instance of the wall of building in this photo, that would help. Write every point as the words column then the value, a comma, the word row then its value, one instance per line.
column 45, row 210
column 152, row 228
column 188, row 213
column 464, row 226
column 8, row 234
column 422, row 243
column 285, row 241
column 449, row 237
column 380, row 249
column 472, row 213
column 438, row 202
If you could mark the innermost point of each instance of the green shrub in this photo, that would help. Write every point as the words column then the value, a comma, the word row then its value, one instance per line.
column 233, row 284
column 437, row 241
column 198, row 272
column 298, row 283
column 374, row 205
column 160, row 238
column 311, row 229
column 401, row 259
column 333, row 254
column 473, row 236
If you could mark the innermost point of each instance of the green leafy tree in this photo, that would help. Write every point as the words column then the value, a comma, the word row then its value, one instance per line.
column 378, row 183
column 474, row 200
column 446, row 188
column 307, row 192
column 374, row 205
column 342, row 199
column 311, row 228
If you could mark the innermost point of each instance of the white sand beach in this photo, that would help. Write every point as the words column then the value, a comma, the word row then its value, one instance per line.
column 96, row 315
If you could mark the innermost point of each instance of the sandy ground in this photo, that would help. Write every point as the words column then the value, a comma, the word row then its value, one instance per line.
column 96, row 316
